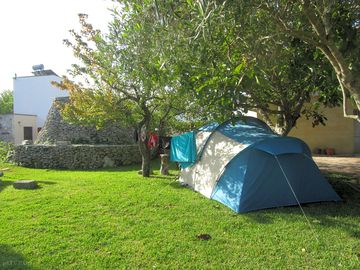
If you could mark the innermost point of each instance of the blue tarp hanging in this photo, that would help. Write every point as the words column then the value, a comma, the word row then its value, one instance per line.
column 183, row 149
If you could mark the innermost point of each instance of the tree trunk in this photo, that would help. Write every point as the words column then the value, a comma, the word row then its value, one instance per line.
column 266, row 118
column 283, row 125
column 349, row 84
column 287, row 126
column 143, row 146
column 145, row 158
column 285, row 121
column 354, row 91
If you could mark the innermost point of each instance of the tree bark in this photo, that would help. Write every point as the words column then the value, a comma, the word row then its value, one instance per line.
column 143, row 144
column 145, row 158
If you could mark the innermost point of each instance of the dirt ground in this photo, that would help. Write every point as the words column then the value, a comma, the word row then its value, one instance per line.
column 348, row 165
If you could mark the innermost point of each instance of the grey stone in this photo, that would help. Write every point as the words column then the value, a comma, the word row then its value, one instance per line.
column 108, row 162
column 25, row 184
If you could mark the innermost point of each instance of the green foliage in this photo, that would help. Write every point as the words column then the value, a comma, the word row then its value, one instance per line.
column 6, row 102
column 127, row 74
column 330, row 26
column 115, row 219
column 5, row 150
column 212, row 59
column 236, row 61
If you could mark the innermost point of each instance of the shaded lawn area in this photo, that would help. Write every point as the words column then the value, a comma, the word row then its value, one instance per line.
column 115, row 219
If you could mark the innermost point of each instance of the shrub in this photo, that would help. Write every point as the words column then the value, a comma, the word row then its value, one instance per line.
column 6, row 149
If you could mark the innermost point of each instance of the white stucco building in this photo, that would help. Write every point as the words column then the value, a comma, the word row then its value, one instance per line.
column 16, row 128
column 33, row 95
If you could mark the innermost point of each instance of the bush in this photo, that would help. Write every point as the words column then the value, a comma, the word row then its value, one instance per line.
column 6, row 149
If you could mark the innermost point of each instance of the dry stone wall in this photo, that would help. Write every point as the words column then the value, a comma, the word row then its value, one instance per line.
column 76, row 156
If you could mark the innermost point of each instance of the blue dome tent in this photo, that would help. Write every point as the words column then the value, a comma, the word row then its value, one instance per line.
column 244, row 165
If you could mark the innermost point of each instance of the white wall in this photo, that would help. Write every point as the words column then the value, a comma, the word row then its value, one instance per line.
column 34, row 95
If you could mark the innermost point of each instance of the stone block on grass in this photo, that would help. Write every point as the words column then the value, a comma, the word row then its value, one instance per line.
column 25, row 184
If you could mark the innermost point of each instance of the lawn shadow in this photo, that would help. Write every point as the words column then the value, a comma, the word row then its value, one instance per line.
column 170, row 176
column 173, row 183
column 45, row 182
column 123, row 168
column 9, row 259
column 5, row 184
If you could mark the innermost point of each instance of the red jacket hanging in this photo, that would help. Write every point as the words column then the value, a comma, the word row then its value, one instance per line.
column 153, row 140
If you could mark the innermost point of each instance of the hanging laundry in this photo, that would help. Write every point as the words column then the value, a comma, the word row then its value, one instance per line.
column 153, row 140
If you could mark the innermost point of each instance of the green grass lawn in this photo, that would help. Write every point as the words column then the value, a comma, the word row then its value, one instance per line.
column 115, row 219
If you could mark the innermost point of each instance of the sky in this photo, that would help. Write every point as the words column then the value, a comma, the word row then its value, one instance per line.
column 32, row 33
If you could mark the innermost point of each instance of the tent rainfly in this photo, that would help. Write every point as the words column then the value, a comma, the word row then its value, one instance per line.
column 244, row 165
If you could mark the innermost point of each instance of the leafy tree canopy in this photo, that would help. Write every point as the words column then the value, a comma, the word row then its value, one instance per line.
column 126, row 80
column 6, row 102
column 330, row 26
column 229, row 59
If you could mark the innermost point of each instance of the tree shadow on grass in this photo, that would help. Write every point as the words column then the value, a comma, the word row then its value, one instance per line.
column 5, row 184
column 9, row 259
column 45, row 182
column 173, row 184
column 170, row 176
column 42, row 184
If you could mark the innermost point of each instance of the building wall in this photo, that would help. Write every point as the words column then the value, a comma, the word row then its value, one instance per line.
column 34, row 95
column 357, row 137
column 21, row 121
column 6, row 128
column 339, row 132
